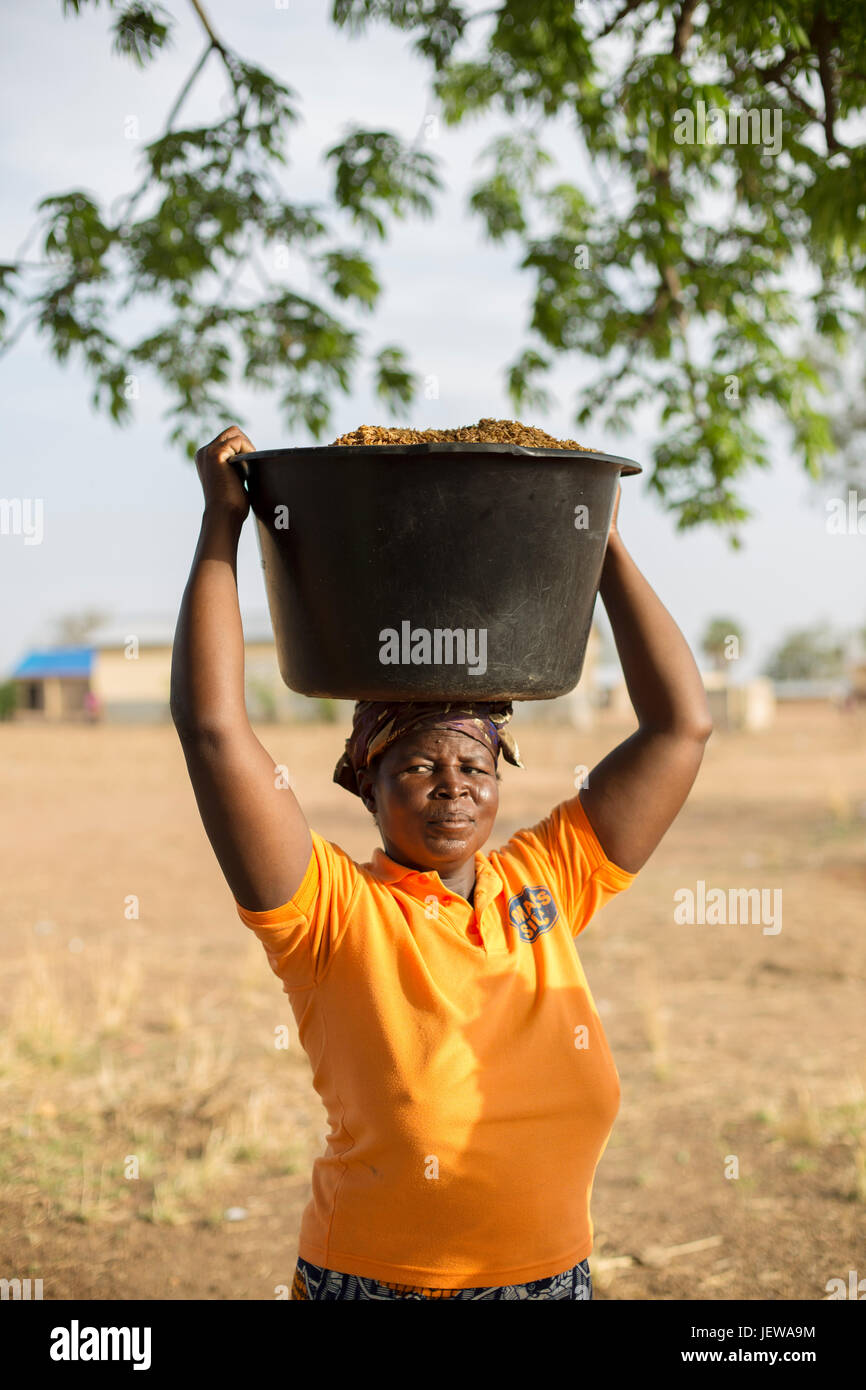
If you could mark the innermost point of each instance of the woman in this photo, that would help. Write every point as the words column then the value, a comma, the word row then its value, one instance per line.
column 438, row 993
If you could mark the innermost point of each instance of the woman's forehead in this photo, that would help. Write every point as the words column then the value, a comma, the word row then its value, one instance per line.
column 453, row 742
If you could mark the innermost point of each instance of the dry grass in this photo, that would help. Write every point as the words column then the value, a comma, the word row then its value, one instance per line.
column 655, row 1019
column 123, row 1107
column 837, row 1124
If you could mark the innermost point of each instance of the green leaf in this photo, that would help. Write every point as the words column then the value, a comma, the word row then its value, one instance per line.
column 139, row 34
column 349, row 276
column 393, row 382
column 373, row 167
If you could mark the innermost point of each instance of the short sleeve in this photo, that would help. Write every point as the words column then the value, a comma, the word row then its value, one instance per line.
column 300, row 935
column 579, row 872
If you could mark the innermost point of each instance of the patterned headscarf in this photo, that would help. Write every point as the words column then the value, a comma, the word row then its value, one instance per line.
column 378, row 723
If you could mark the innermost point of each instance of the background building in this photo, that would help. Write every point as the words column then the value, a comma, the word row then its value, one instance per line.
column 123, row 675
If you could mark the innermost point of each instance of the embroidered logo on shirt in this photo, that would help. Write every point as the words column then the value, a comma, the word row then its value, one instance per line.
column 533, row 911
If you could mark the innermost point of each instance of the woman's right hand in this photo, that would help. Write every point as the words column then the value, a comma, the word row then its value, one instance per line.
column 223, row 490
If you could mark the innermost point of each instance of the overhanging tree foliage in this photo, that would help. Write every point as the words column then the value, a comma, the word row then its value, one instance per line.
column 209, row 201
column 678, row 263
column 718, row 232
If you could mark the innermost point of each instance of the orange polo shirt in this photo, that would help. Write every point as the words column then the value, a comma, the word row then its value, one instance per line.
column 465, row 1073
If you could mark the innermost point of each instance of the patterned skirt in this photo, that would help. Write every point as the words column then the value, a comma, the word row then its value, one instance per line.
column 311, row 1282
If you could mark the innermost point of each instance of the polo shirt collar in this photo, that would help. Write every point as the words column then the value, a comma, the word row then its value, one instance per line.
column 387, row 870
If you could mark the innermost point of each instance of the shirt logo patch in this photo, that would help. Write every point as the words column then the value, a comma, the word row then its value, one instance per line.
column 532, row 912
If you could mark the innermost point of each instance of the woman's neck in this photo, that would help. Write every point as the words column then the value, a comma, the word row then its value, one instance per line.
column 462, row 881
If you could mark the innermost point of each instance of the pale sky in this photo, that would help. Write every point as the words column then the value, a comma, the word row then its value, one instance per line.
column 121, row 509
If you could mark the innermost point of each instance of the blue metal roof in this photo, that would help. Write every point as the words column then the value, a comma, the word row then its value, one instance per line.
column 59, row 661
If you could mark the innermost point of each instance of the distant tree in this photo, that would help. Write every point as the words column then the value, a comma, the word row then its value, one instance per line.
column 8, row 699
column 808, row 654
column 845, row 408
column 722, row 641
column 74, row 629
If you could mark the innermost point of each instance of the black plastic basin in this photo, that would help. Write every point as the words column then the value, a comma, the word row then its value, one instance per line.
column 484, row 560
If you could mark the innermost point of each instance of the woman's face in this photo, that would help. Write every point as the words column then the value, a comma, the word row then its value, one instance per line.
column 418, row 782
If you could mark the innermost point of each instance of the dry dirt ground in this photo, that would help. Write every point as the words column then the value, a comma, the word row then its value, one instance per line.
column 145, row 1044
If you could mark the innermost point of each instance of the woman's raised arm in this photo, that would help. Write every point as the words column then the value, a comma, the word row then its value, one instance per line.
column 257, row 829
column 635, row 793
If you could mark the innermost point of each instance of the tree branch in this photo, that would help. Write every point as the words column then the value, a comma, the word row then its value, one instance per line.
column 208, row 28
column 774, row 72
column 216, row 43
column 184, row 91
column 178, row 103
column 821, row 35
column 20, row 326
column 685, row 28
column 626, row 10
column 797, row 99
